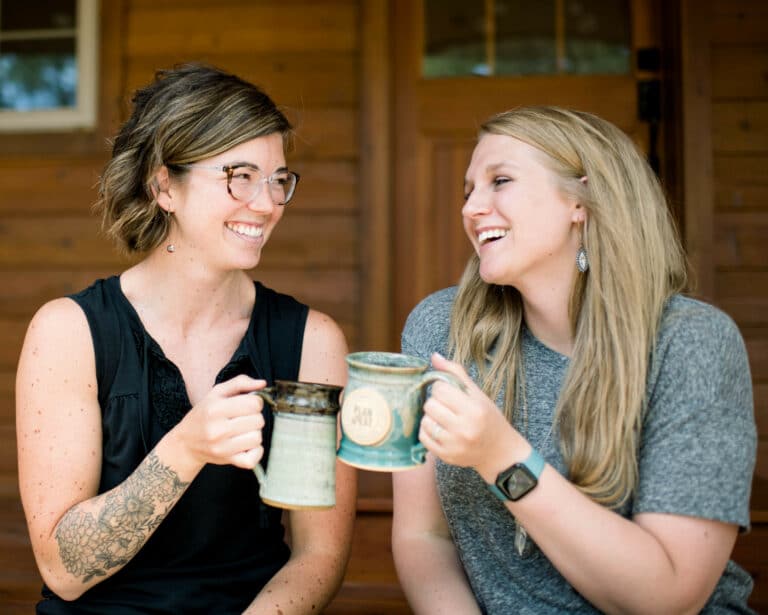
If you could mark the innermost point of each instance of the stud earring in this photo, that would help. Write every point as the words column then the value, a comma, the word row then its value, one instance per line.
column 582, row 262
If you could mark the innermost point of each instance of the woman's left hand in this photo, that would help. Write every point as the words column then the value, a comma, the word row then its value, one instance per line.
column 465, row 428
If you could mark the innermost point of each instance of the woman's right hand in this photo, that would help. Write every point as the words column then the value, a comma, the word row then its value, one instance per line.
column 225, row 426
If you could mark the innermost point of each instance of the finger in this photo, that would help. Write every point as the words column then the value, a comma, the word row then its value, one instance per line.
column 243, row 424
column 450, row 396
column 436, row 410
column 434, row 429
column 239, row 385
column 241, row 405
column 226, row 448
column 248, row 459
column 455, row 369
column 425, row 434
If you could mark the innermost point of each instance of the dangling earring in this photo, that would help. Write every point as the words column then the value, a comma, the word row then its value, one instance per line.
column 170, row 247
column 582, row 262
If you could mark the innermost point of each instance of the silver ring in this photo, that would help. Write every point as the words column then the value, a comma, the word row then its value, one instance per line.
column 436, row 431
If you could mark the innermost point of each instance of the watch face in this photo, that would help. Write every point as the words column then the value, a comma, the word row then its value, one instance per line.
column 517, row 482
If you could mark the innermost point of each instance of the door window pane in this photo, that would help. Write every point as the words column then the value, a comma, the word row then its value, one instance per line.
column 526, row 37
column 454, row 39
column 597, row 37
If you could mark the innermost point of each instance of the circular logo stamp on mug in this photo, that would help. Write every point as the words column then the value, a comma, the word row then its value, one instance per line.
column 366, row 419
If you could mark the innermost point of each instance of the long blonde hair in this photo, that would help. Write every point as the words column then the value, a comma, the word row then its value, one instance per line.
column 636, row 263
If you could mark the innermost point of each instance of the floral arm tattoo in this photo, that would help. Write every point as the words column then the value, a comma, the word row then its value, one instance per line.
column 90, row 546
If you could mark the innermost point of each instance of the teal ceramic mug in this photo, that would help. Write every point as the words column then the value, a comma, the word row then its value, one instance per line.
column 301, row 468
column 382, row 409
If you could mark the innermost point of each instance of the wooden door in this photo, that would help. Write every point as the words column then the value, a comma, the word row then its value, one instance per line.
column 435, row 125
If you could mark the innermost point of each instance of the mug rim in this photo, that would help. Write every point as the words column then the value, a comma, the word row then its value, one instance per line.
column 321, row 386
column 418, row 365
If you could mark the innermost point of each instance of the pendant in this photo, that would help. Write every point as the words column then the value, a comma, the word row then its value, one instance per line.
column 521, row 540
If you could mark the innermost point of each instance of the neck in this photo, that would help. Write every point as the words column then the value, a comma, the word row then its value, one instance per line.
column 546, row 314
column 186, row 293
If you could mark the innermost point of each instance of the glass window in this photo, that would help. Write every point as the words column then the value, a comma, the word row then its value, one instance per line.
column 597, row 37
column 47, row 64
column 526, row 37
column 454, row 39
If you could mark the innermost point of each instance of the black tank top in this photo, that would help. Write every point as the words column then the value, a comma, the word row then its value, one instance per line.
column 220, row 543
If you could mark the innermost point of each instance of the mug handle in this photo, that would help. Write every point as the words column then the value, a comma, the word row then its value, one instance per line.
column 418, row 450
column 266, row 395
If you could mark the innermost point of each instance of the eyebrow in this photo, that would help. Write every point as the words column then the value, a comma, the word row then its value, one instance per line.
column 245, row 163
column 492, row 168
column 504, row 163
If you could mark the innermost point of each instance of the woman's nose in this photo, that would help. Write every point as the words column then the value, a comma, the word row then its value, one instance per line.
column 476, row 204
column 263, row 201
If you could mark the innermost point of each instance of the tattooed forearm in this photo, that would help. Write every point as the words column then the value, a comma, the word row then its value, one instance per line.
column 91, row 545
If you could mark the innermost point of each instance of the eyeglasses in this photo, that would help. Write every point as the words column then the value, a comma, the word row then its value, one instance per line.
column 244, row 182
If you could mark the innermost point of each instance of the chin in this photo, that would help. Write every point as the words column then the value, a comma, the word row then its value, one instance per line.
column 490, row 277
column 243, row 263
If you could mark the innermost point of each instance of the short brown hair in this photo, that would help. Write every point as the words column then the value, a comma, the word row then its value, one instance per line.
column 188, row 113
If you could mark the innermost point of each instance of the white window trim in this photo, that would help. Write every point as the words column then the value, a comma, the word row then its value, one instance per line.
column 83, row 116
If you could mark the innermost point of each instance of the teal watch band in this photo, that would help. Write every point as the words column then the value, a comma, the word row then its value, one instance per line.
column 533, row 465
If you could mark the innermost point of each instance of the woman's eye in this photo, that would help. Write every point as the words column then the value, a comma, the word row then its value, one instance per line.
column 500, row 181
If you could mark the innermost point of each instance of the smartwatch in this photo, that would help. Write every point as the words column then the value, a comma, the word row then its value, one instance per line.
column 517, row 480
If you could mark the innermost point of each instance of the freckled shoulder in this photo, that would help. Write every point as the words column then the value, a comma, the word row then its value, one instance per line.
column 323, row 350
column 58, row 334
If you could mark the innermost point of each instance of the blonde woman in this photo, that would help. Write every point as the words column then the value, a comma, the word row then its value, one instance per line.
column 137, row 431
column 600, row 459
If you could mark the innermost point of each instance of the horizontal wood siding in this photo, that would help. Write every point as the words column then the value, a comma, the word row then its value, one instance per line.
column 739, row 110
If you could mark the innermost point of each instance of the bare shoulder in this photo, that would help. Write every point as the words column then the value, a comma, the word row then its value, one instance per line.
column 59, row 322
column 57, row 346
column 323, row 335
column 323, row 350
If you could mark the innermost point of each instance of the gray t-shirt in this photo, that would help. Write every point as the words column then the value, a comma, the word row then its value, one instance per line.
column 696, row 458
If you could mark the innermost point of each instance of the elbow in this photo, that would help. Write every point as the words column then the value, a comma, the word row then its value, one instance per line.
column 684, row 602
column 398, row 545
column 64, row 586
column 404, row 547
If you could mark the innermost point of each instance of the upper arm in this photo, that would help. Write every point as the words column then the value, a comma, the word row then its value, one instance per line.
column 58, row 420
column 323, row 351
column 416, row 503
column 697, row 450
column 322, row 361
column 698, row 441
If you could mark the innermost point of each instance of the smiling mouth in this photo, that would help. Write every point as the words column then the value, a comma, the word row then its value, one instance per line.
column 246, row 230
column 491, row 235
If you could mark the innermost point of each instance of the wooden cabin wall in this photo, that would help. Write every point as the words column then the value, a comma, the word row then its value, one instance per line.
column 725, row 113
column 316, row 58
column 739, row 95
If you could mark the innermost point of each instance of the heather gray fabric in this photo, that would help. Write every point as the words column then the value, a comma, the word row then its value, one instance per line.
column 697, row 453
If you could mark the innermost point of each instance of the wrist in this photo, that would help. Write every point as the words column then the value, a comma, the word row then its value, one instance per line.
column 513, row 449
column 519, row 479
column 172, row 450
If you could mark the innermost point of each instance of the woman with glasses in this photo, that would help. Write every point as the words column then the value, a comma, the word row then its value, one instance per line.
column 601, row 456
column 136, row 427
